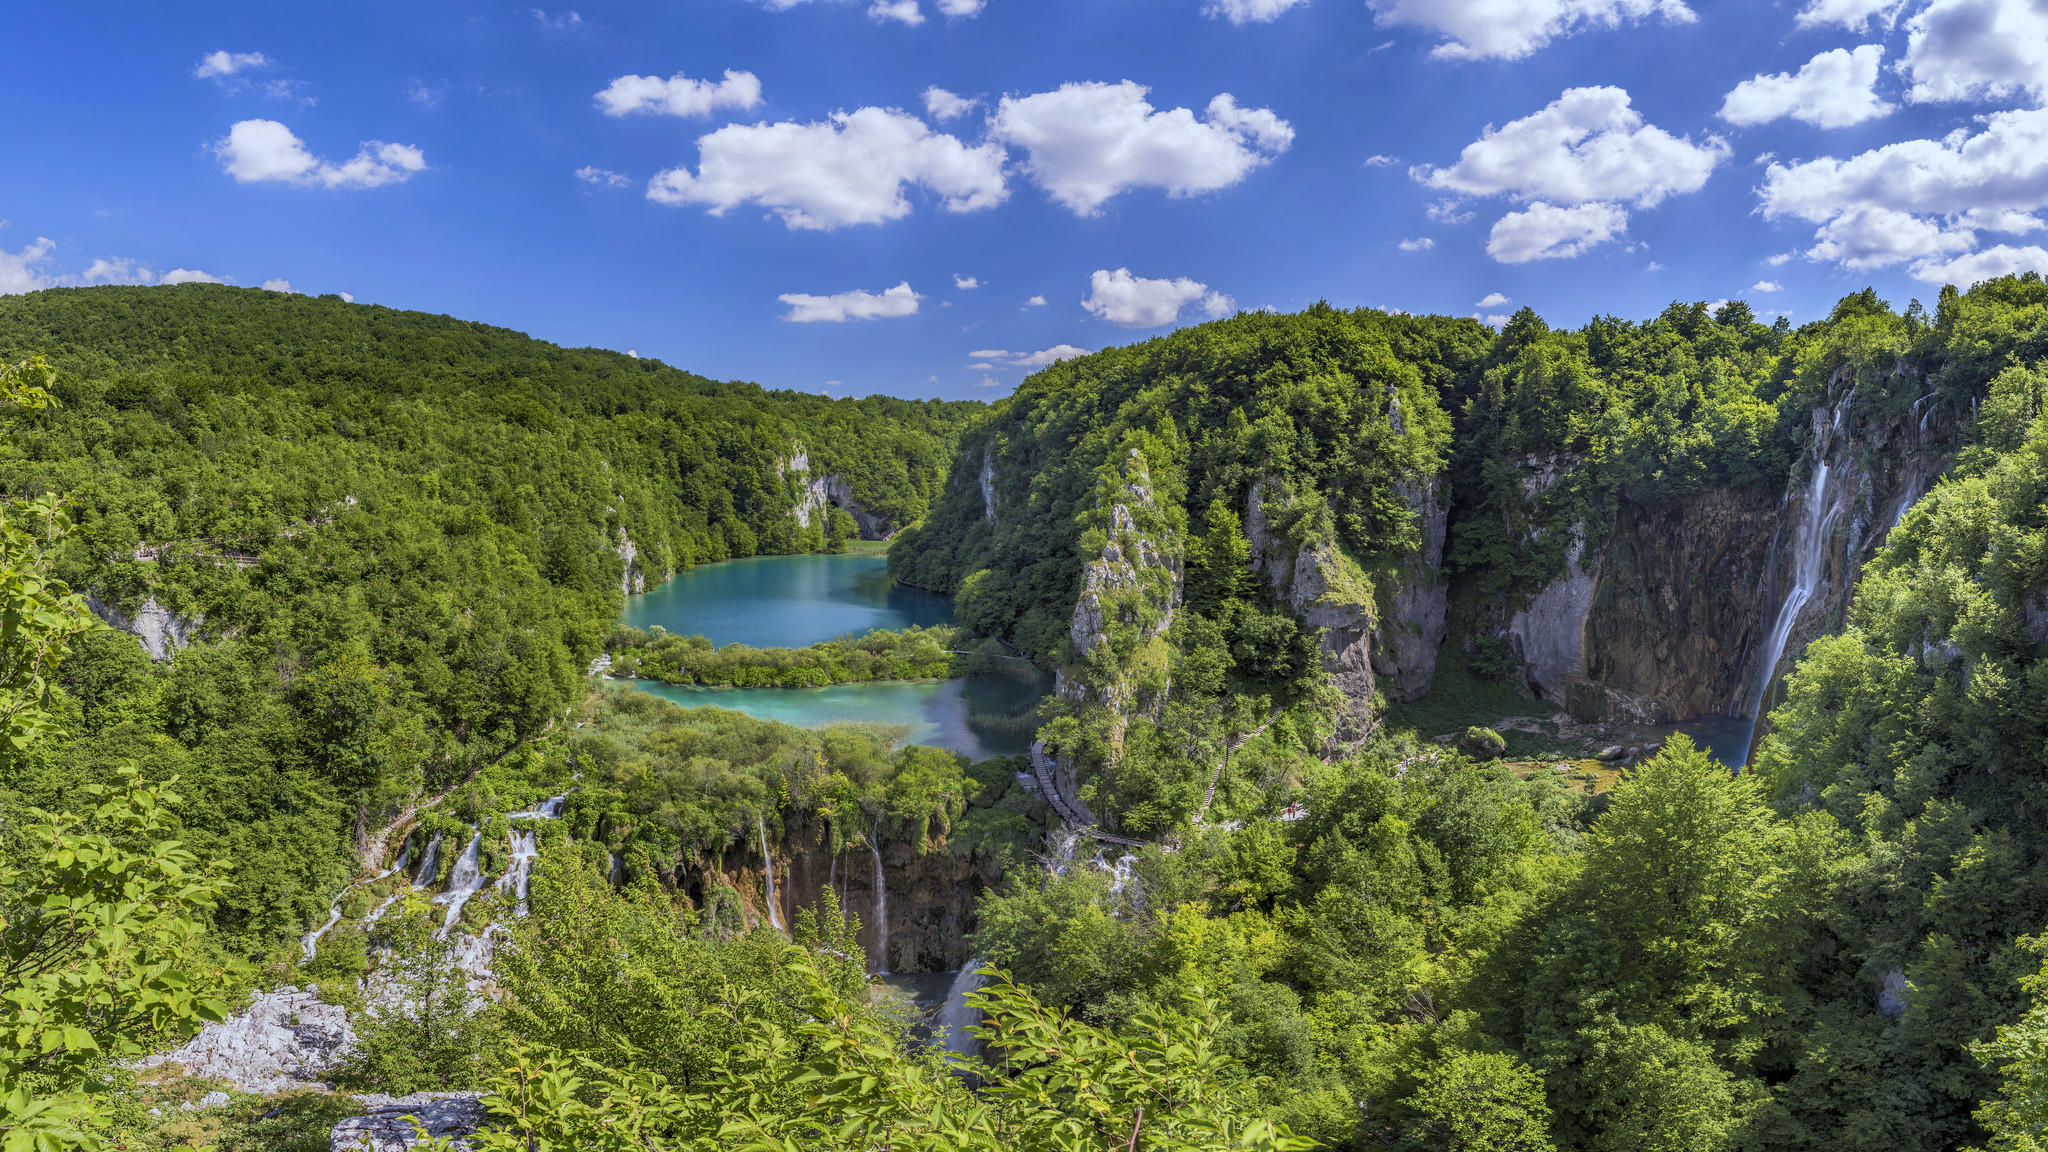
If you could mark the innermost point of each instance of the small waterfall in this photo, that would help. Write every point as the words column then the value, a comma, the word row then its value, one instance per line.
column 1809, row 545
column 956, row 1016
column 310, row 942
column 428, row 864
column 617, row 872
column 768, row 870
column 378, row 912
column 464, row 882
column 881, row 906
column 525, row 849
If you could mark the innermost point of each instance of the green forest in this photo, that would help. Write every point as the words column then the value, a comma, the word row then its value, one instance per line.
column 1304, row 921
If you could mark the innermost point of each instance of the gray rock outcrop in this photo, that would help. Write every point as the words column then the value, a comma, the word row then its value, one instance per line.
column 388, row 1125
column 161, row 631
column 285, row 1039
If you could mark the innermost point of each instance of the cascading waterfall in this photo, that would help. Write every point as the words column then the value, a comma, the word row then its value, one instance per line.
column 881, row 906
column 429, row 863
column 956, row 1016
column 1809, row 544
column 768, row 870
column 310, row 942
column 525, row 849
column 464, row 882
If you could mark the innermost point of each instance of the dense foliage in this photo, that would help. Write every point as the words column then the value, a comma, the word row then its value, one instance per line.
column 911, row 654
column 402, row 538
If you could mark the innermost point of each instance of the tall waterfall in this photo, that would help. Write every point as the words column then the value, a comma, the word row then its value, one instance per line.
column 956, row 1016
column 881, row 905
column 1809, row 548
column 429, row 864
column 768, row 870
column 525, row 849
column 465, row 881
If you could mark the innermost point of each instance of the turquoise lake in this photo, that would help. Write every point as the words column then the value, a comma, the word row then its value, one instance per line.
column 795, row 601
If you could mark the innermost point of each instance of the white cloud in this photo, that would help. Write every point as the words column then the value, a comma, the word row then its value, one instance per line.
column 1497, row 320
column 220, row 65
column 426, row 95
column 960, row 8
column 1492, row 300
column 1832, row 90
column 1381, row 160
column 1134, row 302
column 988, row 382
column 2001, row 260
column 1035, row 302
column 1977, row 50
column 1052, row 355
column 191, row 276
column 1766, row 286
column 989, row 354
column 1249, row 11
column 563, row 22
column 1546, row 232
column 1868, row 237
column 1855, row 15
column 24, row 271
column 1921, row 200
column 603, row 176
column 679, row 95
column 851, row 169
column 346, row 298
column 1512, row 29
column 1780, row 259
column 1085, row 143
column 118, row 270
column 256, row 151
column 855, row 305
column 1449, row 212
column 942, row 105
column 901, row 11
column 1588, row 144
column 1418, row 244
column 965, row 283
column 279, row 285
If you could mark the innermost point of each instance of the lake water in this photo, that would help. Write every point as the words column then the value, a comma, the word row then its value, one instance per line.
column 786, row 601
column 795, row 601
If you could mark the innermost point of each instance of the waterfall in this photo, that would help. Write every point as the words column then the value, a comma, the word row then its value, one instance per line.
column 956, row 1016
column 464, row 882
column 525, row 849
column 881, row 906
column 617, row 873
column 377, row 913
column 768, row 870
column 428, row 863
column 1809, row 544
column 310, row 942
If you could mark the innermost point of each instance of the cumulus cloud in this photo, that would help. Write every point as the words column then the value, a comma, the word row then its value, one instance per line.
column 1086, row 143
column 1977, row 50
column 1588, row 144
column 279, row 285
column 1492, row 300
column 1512, row 29
column 1448, row 212
column 960, row 8
column 259, row 151
column 603, row 177
column 1766, row 286
column 560, row 22
column 1249, row 11
column 1381, row 160
column 1417, row 244
column 679, row 95
column 2000, row 260
column 900, row 11
column 965, row 283
column 1547, row 232
column 1035, row 302
column 1052, row 355
column 1832, row 90
column 221, row 65
column 851, row 169
column 117, row 270
column 192, row 276
column 1855, row 15
column 1868, row 237
column 942, row 105
column 1135, row 302
column 26, row 271
column 855, row 305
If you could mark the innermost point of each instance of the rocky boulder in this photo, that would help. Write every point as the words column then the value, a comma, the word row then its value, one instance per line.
column 285, row 1039
column 389, row 1124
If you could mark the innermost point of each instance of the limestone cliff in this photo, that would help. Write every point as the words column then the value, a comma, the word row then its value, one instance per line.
column 1688, row 607
column 161, row 631
column 821, row 491
column 1134, row 581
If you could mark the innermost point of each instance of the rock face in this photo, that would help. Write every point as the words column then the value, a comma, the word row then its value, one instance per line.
column 634, row 581
column 1136, row 580
column 987, row 481
column 1673, row 610
column 388, row 1125
column 161, row 631
column 822, row 492
column 932, row 896
column 1404, row 655
column 286, row 1039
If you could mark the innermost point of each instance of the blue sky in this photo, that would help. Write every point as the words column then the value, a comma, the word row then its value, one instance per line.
column 772, row 190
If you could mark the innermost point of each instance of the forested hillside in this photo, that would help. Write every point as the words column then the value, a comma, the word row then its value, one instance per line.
column 400, row 539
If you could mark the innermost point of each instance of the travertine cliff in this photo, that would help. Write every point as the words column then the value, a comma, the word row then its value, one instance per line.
column 823, row 491
column 161, row 631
